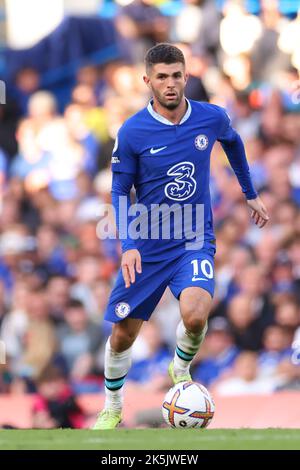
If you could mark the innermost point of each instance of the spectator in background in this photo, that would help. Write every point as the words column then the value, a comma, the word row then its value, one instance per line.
column 167, row 317
column 289, row 371
column 254, row 283
column 39, row 341
column 79, row 340
column 220, row 353
column 49, row 155
column 286, row 213
column 93, row 116
column 55, row 405
column 276, row 348
column 141, row 25
column 5, row 378
column 265, row 250
column 197, row 24
column 67, row 159
column 89, row 243
column 32, row 162
column 88, row 273
column 266, row 59
column 15, row 323
column 282, row 275
column 287, row 314
column 293, row 252
column 150, row 359
column 9, row 115
column 230, row 273
column 247, row 331
column 245, row 119
column 92, row 76
column 50, row 254
column 27, row 82
column 77, row 127
column 100, row 290
column 244, row 379
column 42, row 109
column 58, row 297
column 195, row 90
column 238, row 33
column 10, row 213
column 15, row 245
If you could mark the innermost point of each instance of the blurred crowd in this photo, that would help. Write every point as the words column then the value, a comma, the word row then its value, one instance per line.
column 55, row 270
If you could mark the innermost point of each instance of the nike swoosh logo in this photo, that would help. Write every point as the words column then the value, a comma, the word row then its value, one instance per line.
column 199, row 279
column 153, row 151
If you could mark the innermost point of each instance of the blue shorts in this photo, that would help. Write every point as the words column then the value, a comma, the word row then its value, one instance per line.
column 193, row 269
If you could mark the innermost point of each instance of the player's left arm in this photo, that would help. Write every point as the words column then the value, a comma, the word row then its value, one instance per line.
column 234, row 148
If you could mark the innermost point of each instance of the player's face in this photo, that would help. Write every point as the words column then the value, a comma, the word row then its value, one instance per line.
column 167, row 83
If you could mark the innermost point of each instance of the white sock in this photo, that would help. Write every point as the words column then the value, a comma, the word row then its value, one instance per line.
column 116, row 367
column 187, row 347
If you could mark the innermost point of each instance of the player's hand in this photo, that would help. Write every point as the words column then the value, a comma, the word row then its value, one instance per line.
column 259, row 212
column 131, row 262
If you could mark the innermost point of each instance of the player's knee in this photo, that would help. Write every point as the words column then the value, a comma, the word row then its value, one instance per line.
column 196, row 320
column 195, row 325
column 121, row 339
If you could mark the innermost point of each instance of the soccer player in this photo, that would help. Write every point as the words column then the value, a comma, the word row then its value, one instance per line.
column 164, row 152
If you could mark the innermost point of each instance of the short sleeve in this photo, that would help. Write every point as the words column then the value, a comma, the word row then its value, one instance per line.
column 124, row 159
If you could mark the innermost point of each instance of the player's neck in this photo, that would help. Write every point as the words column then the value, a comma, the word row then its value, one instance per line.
column 172, row 115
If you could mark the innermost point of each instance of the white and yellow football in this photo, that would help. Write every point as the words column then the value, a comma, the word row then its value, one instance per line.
column 188, row 405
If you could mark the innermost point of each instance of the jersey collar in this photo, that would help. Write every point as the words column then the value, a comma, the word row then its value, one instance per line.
column 163, row 120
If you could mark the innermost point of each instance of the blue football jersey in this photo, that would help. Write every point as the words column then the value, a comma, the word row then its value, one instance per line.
column 170, row 167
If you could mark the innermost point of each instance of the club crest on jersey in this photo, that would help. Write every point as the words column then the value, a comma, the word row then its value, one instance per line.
column 201, row 142
column 183, row 185
column 122, row 309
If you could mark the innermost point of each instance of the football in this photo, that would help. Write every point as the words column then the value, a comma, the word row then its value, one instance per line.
column 188, row 405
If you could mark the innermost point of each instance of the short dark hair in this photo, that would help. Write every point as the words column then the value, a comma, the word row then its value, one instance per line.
column 163, row 53
column 49, row 374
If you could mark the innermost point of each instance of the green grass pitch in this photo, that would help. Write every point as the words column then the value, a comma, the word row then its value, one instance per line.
column 146, row 439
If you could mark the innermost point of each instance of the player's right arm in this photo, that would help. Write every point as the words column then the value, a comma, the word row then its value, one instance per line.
column 124, row 167
column 131, row 262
